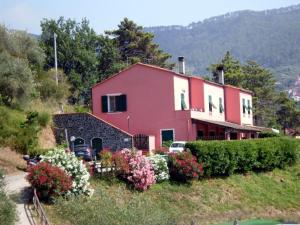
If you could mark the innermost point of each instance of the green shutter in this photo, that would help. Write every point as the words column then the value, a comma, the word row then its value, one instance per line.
column 210, row 105
column 221, row 108
column 104, row 103
column 244, row 106
column 121, row 103
column 249, row 107
column 183, row 105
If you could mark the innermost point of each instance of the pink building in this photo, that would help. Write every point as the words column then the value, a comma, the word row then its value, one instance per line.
column 166, row 105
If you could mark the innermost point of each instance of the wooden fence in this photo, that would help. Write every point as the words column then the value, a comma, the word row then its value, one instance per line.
column 39, row 209
column 102, row 169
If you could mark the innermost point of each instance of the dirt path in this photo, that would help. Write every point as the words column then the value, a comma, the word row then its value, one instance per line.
column 18, row 189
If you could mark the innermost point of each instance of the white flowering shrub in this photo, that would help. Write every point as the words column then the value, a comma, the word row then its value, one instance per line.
column 73, row 167
column 160, row 166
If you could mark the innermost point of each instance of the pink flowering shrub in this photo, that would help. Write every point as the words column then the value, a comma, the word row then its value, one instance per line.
column 139, row 171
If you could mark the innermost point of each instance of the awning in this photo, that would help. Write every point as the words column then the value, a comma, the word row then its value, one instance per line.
column 231, row 125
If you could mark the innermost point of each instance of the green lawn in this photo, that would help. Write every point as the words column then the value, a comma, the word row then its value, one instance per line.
column 274, row 196
column 255, row 222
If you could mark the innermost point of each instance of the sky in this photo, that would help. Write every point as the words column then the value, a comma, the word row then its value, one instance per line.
column 107, row 14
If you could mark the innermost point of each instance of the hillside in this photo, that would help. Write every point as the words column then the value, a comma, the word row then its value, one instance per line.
column 269, row 37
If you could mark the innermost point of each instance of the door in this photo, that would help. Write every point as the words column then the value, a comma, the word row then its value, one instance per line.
column 96, row 146
column 167, row 137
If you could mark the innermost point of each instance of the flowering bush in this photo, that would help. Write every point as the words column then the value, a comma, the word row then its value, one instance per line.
column 121, row 161
column 135, row 168
column 160, row 166
column 73, row 167
column 106, row 157
column 49, row 180
column 184, row 166
column 161, row 151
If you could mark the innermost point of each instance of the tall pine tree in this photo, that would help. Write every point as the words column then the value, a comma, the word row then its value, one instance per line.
column 136, row 45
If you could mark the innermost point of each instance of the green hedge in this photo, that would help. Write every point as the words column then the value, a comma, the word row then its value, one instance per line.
column 220, row 158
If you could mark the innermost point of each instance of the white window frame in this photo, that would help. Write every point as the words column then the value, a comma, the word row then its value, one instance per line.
column 165, row 129
column 108, row 101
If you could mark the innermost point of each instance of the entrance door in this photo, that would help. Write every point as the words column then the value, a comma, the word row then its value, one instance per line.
column 167, row 137
column 96, row 146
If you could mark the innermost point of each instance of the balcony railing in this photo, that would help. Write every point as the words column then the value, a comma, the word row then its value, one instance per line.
column 210, row 138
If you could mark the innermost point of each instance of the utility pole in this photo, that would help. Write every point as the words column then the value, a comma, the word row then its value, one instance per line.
column 55, row 58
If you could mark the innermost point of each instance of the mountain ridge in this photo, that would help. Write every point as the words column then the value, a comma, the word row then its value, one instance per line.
column 269, row 37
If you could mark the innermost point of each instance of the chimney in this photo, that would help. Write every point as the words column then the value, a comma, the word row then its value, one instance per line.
column 181, row 63
column 220, row 75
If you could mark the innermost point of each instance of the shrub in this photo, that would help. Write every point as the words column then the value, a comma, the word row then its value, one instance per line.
column 135, row 168
column 226, row 157
column 160, row 166
column 167, row 144
column 27, row 135
column 121, row 161
column 106, row 157
column 141, row 172
column 73, row 167
column 267, row 134
column 8, row 213
column 184, row 167
column 49, row 180
column 43, row 119
column 161, row 151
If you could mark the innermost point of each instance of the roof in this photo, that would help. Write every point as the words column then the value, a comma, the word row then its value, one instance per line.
column 96, row 117
column 231, row 125
column 171, row 72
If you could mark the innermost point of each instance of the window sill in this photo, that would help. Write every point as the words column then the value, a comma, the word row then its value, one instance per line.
column 114, row 112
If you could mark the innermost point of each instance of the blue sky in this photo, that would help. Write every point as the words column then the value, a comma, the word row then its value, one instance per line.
column 106, row 14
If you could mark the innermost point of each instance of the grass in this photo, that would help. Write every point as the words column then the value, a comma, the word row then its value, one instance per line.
column 11, row 161
column 274, row 195
column 256, row 222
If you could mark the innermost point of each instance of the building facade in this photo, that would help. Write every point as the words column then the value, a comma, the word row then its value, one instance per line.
column 149, row 100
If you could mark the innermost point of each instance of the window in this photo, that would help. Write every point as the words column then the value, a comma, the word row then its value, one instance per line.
column 244, row 105
column 183, row 105
column 210, row 104
column 114, row 103
column 249, row 107
column 112, row 107
column 178, row 145
column 221, row 108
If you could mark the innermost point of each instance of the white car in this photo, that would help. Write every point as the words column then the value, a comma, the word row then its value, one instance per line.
column 177, row 146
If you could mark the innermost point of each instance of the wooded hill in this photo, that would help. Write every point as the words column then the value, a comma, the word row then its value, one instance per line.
column 270, row 38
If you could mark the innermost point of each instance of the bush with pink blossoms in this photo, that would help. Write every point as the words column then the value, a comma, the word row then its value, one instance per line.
column 140, row 174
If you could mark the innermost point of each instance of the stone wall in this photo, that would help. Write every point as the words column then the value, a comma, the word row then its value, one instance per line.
column 87, row 126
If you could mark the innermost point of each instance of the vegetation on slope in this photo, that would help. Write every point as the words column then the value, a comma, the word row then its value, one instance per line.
column 268, row 37
column 274, row 194
column 7, row 208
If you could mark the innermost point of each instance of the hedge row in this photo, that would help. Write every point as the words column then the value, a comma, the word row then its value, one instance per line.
column 220, row 158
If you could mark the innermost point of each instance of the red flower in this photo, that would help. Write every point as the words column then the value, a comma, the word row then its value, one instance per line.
column 48, row 179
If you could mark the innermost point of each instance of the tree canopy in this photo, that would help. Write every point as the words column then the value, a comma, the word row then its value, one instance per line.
column 76, row 53
column 20, row 60
column 87, row 58
column 136, row 45
column 270, row 109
